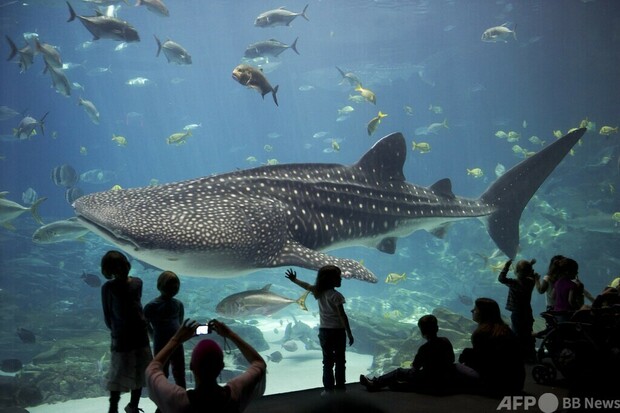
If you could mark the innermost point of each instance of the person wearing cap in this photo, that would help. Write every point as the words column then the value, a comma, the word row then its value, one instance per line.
column 207, row 362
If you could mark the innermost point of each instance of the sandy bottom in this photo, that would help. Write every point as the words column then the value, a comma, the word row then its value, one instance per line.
column 298, row 370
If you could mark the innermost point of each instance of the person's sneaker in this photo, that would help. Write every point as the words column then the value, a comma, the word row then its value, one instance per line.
column 132, row 409
column 368, row 383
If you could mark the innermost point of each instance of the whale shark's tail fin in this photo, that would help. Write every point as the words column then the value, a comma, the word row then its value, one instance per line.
column 513, row 190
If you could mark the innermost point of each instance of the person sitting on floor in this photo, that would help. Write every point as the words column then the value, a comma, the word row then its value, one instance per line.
column 431, row 370
column 494, row 364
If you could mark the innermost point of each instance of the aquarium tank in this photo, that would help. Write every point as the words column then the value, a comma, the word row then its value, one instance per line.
column 416, row 144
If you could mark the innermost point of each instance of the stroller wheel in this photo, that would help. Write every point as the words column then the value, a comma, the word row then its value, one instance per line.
column 544, row 373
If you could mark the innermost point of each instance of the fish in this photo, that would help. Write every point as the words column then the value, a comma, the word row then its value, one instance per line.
column 106, row 27
column 278, row 17
column 423, row 147
column 28, row 127
column 256, row 302
column 73, row 193
column 120, row 140
column 65, row 175
column 7, row 113
column 374, row 122
column 138, row 82
column 368, row 94
column 9, row 210
column 607, row 130
column 350, row 77
column 179, row 138
column 499, row 170
column 174, row 52
column 465, row 299
column 436, row 127
column 271, row 47
column 26, row 54
column 275, row 357
column 594, row 222
column 90, row 109
column 475, row 172
column 156, row 6
column 26, row 336
column 255, row 79
column 499, row 34
column 11, row 365
column 98, row 176
column 92, row 280
column 29, row 196
column 290, row 345
column 50, row 54
column 393, row 278
column 192, row 126
column 59, row 80
column 231, row 224
column 60, row 231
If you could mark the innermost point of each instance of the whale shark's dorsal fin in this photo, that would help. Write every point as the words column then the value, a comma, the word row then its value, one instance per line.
column 443, row 187
column 385, row 159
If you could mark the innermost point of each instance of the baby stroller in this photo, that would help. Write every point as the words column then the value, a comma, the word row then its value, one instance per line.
column 581, row 349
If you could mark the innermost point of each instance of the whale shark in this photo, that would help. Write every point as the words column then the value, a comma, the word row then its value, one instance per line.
column 234, row 223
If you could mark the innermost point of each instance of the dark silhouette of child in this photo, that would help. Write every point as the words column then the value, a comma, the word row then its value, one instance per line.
column 122, row 310
column 432, row 369
column 518, row 303
column 334, row 324
column 165, row 315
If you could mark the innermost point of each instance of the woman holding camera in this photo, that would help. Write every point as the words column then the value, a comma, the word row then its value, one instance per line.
column 206, row 363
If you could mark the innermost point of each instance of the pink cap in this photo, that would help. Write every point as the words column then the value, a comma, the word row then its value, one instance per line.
column 207, row 358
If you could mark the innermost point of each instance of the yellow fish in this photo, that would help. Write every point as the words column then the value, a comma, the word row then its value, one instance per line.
column 616, row 216
column 423, row 147
column 475, row 172
column 83, row 151
column 557, row 133
column 374, row 122
column 116, row 187
column 392, row 315
column 335, row 145
column 501, row 134
column 179, row 138
column 608, row 130
column 513, row 136
column 368, row 94
column 393, row 278
column 272, row 161
column 268, row 148
column 251, row 159
column 120, row 140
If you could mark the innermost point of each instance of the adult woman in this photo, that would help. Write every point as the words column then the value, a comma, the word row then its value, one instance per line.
column 494, row 364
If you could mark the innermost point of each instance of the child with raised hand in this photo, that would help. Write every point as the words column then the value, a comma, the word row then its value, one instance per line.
column 334, row 324
column 518, row 303
column 165, row 315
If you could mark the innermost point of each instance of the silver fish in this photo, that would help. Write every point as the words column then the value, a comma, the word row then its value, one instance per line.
column 155, row 6
column 59, row 231
column 90, row 109
column 278, row 17
column 10, row 210
column 271, row 47
column 105, row 27
column 26, row 54
column 174, row 52
column 256, row 302
column 27, row 127
column 286, row 215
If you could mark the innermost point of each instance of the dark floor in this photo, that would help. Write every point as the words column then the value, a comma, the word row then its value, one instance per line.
column 395, row 402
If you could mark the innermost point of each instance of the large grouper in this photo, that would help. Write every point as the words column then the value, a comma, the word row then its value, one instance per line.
column 285, row 215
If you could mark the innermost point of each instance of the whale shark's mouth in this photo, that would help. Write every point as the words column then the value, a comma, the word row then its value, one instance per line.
column 107, row 234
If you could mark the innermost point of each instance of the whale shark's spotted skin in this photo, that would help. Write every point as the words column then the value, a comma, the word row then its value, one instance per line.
column 284, row 215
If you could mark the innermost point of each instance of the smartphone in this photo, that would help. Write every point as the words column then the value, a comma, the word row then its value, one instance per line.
column 202, row 329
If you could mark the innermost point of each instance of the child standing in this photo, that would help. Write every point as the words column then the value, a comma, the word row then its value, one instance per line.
column 165, row 315
column 519, row 304
column 122, row 310
column 334, row 324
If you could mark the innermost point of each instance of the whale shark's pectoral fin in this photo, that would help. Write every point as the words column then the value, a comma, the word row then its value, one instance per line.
column 387, row 245
column 297, row 255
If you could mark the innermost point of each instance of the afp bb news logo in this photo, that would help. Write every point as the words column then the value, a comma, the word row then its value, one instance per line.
column 549, row 403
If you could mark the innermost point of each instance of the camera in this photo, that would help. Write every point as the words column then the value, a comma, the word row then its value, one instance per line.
column 205, row 328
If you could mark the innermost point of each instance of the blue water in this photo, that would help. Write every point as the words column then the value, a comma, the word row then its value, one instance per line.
column 561, row 68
